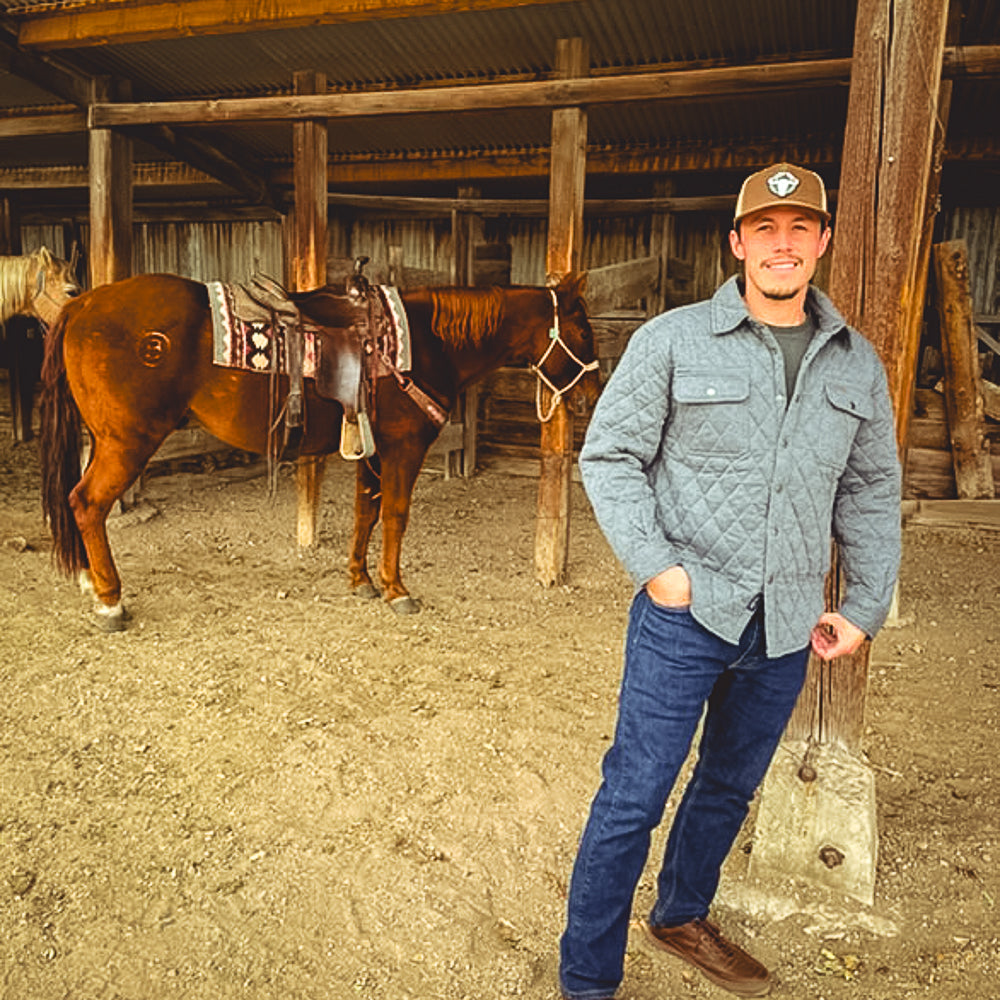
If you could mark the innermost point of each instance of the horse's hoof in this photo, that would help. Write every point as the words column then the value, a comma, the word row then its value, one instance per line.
column 367, row 591
column 111, row 619
column 404, row 605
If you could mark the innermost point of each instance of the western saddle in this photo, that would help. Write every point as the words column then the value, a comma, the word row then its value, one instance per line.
column 355, row 345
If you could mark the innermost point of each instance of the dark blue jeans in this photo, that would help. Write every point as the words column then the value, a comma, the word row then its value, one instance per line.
column 673, row 668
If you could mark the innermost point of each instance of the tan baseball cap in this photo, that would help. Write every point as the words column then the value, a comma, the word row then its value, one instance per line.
column 782, row 184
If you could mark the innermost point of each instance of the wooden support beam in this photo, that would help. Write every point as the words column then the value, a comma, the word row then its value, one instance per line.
column 310, row 142
column 662, row 235
column 110, row 252
column 10, row 227
column 231, row 168
column 911, row 102
column 663, row 85
column 565, row 245
column 47, row 74
column 307, row 266
column 668, row 158
column 235, row 169
column 513, row 163
column 569, row 168
column 111, row 24
column 967, row 61
column 963, row 397
column 878, row 275
column 144, row 175
column 537, row 207
column 58, row 122
column 878, row 280
column 556, row 93
column 466, row 232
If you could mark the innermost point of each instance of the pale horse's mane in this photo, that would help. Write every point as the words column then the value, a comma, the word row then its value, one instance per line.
column 17, row 277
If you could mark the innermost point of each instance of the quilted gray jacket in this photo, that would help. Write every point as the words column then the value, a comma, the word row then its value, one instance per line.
column 692, row 458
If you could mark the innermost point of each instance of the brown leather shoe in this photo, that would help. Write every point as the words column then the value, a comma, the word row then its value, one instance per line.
column 701, row 944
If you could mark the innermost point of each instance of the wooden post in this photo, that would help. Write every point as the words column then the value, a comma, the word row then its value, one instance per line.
column 878, row 280
column 109, row 256
column 885, row 205
column 110, row 253
column 310, row 144
column 470, row 430
column 890, row 173
column 661, row 242
column 963, row 398
column 308, row 238
column 565, row 244
column 395, row 276
column 466, row 232
column 10, row 228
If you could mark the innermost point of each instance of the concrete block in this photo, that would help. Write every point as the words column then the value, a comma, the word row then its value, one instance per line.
column 816, row 819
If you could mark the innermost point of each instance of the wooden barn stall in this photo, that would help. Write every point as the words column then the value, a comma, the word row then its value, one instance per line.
column 441, row 138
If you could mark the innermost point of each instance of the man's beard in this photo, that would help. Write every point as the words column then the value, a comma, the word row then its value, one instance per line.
column 779, row 296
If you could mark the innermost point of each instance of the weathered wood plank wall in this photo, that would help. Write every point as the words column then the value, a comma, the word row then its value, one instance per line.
column 698, row 260
column 980, row 228
column 929, row 473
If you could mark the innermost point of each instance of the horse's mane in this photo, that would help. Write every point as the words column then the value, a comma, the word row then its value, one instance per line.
column 16, row 274
column 465, row 317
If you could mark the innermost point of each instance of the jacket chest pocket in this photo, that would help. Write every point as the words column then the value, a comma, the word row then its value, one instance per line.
column 846, row 406
column 710, row 412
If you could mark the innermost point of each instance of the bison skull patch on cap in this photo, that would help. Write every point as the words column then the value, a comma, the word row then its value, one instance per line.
column 782, row 183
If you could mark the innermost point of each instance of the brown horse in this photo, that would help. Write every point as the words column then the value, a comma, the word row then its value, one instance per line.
column 135, row 357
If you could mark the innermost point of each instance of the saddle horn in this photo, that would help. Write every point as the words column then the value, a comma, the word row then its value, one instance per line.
column 358, row 285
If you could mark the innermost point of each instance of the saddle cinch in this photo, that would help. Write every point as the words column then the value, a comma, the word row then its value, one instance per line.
column 350, row 354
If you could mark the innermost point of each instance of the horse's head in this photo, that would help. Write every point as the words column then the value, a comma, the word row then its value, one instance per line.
column 55, row 283
column 569, row 363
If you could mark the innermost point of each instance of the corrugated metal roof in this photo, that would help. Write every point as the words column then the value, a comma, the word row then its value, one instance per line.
column 516, row 42
column 483, row 44
column 18, row 93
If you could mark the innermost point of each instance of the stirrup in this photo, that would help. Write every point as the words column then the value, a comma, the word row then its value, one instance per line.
column 356, row 438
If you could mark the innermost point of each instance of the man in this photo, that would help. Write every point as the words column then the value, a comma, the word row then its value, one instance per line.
column 735, row 436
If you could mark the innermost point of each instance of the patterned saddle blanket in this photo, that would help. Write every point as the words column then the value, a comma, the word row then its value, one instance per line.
column 258, row 328
column 247, row 336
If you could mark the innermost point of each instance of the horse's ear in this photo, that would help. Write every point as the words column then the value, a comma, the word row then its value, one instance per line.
column 574, row 284
column 45, row 255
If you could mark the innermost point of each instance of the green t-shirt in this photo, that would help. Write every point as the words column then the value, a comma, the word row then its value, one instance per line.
column 793, row 341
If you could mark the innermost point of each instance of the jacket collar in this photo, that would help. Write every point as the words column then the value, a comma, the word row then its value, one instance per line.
column 729, row 311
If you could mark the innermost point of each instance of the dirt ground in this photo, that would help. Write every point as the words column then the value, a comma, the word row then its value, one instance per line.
column 268, row 788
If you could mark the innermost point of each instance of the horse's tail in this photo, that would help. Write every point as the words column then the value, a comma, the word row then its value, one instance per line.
column 60, row 454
